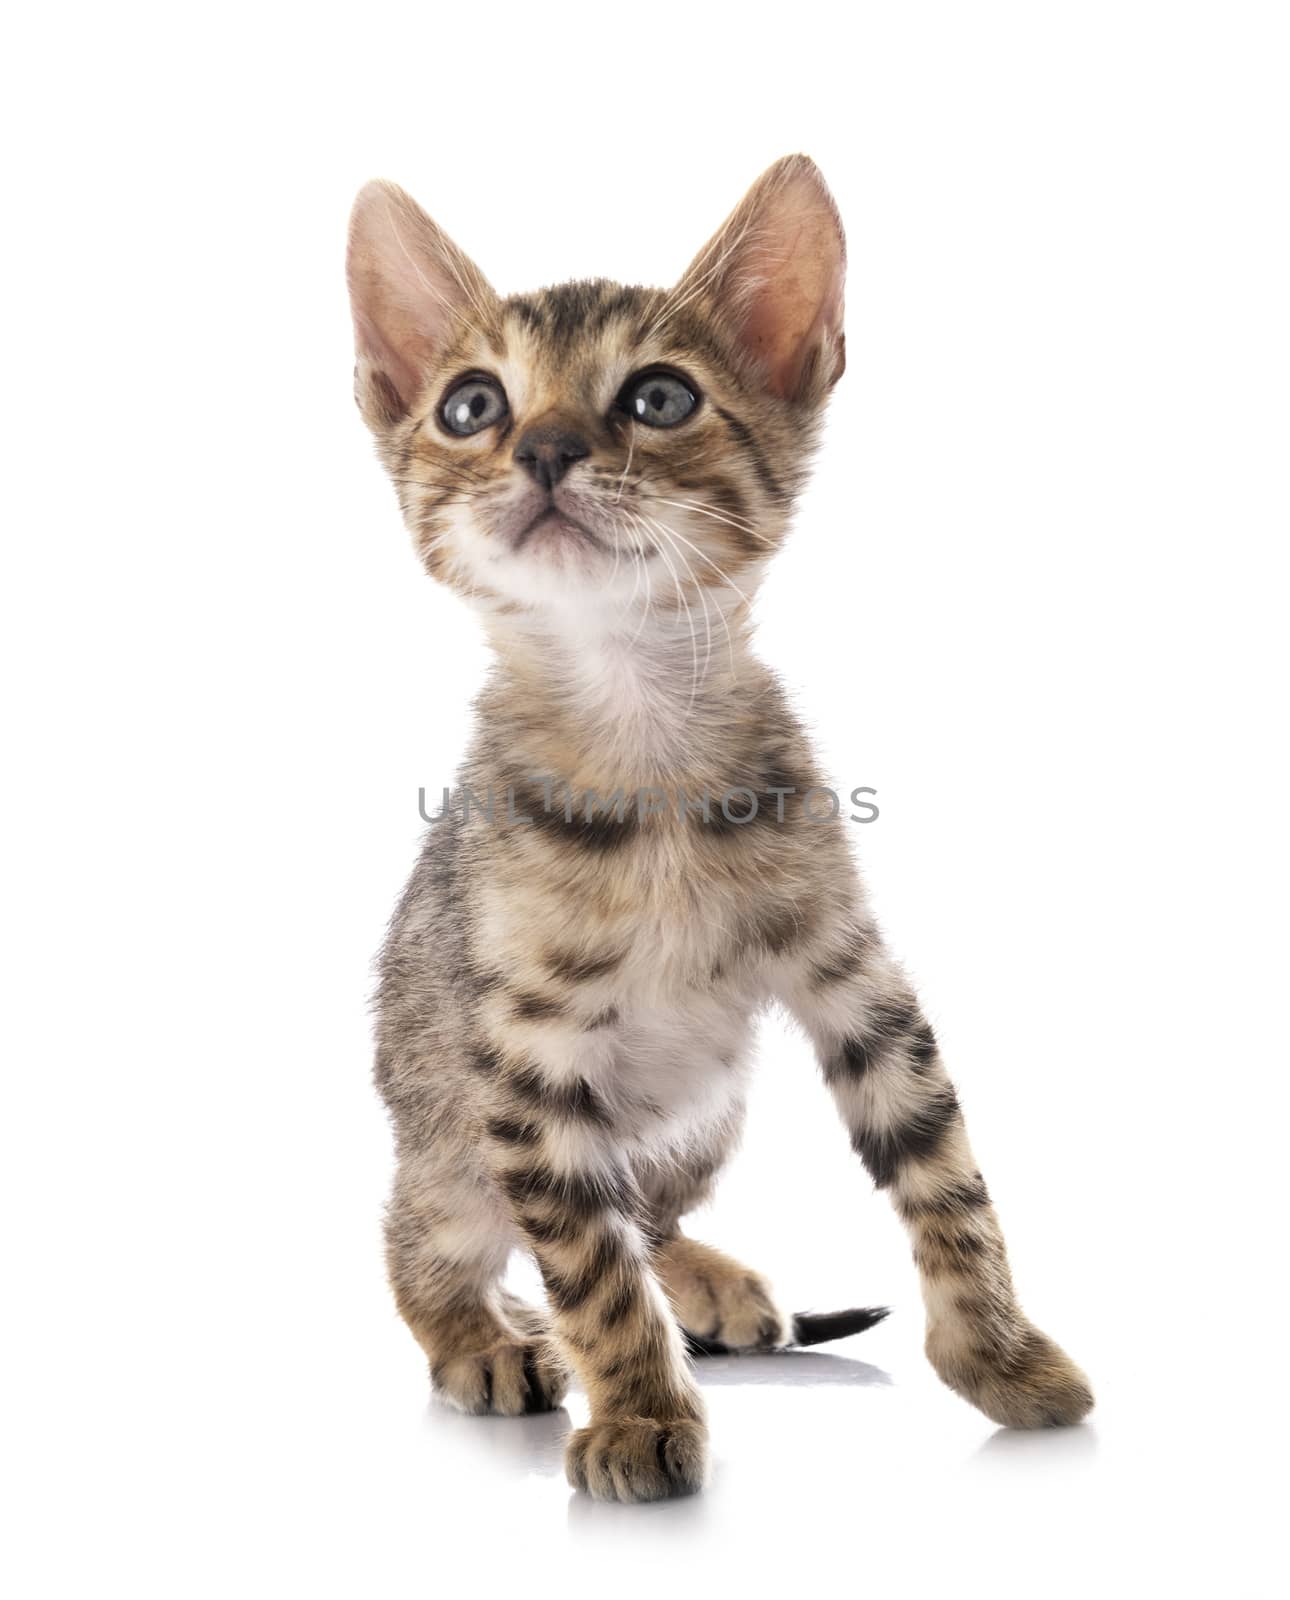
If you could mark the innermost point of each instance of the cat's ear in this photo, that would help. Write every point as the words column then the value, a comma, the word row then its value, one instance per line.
column 410, row 288
column 774, row 274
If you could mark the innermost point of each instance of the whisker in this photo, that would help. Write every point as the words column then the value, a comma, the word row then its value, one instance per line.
column 440, row 472
column 738, row 523
column 631, row 446
column 730, row 643
column 668, row 534
column 694, row 641
column 636, row 583
column 731, row 517
column 649, row 600
column 703, row 556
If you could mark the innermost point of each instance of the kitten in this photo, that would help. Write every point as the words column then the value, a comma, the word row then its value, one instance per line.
column 569, row 985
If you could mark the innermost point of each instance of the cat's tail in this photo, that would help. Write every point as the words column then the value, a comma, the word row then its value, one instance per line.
column 809, row 1327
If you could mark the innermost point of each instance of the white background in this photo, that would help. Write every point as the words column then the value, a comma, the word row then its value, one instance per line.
column 1034, row 597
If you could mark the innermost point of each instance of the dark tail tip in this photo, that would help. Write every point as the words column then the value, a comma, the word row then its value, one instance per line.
column 819, row 1327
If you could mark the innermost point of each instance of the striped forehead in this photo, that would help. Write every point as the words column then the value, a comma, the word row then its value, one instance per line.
column 569, row 315
column 577, row 341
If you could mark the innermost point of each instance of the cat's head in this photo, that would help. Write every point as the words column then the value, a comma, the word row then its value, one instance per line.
column 608, row 451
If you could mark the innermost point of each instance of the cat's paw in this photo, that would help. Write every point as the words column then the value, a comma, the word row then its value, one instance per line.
column 1028, row 1383
column 637, row 1458
column 510, row 1378
column 719, row 1300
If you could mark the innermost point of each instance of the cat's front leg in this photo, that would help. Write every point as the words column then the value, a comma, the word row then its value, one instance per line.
column 554, row 1153
column 881, row 1062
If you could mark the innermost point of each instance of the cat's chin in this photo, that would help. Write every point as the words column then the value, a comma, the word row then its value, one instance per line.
column 556, row 534
column 569, row 588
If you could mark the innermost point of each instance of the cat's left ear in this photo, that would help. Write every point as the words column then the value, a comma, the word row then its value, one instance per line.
column 774, row 274
column 411, row 290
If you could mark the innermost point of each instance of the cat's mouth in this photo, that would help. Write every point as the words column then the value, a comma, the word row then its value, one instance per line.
column 553, row 526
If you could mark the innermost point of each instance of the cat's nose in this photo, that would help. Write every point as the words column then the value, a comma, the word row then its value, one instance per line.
column 546, row 452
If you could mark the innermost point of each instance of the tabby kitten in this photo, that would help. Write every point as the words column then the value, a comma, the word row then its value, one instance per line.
column 569, row 984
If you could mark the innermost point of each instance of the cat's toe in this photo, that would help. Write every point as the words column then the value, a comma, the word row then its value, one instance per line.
column 1029, row 1383
column 510, row 1379
column 638, row 1459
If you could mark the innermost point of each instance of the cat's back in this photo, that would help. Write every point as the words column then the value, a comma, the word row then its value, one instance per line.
column 425, row 983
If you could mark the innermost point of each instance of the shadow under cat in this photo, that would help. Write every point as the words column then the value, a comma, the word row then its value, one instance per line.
column 535, row 1443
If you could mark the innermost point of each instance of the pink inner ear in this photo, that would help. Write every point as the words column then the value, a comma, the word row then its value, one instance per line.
column 396, row 377
column 798, row 304
column 409, row 284
column 776, row 270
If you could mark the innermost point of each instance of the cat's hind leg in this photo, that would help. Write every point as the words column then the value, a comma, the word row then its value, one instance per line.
column 716, row 1299
column 447, row 1244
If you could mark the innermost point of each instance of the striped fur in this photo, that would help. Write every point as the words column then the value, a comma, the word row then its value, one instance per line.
column 567, row 989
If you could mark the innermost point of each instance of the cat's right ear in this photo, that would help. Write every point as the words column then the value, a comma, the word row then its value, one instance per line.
column 410, row 289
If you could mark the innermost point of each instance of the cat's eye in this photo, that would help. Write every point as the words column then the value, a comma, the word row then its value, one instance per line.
column 658, row 399
column 472, row 405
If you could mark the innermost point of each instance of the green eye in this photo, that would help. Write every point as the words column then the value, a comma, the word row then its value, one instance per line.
column 658, row 399
column 473, row 405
